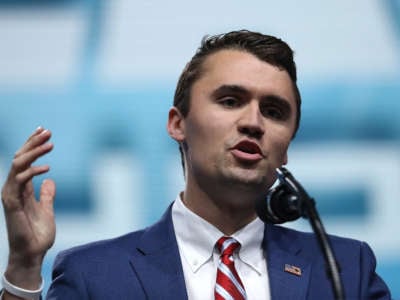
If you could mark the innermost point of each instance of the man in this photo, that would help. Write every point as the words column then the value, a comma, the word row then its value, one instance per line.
column 236, row 109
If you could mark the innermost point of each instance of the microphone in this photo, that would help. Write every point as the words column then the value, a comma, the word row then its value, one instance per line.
column 282, row 203
column 289, row 201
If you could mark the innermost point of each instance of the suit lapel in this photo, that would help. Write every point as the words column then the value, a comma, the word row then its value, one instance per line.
column 157, row 262
column 283, row 263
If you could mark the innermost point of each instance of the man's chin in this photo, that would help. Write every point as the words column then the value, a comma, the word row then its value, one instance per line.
column 249, row 179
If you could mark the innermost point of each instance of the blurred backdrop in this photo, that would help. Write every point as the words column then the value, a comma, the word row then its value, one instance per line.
column 101, row 75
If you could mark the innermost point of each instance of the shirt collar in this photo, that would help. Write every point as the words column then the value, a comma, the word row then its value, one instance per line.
column 197, row 237
column 251, row 251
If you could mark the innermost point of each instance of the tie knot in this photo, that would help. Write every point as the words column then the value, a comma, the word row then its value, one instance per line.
column 227, row 245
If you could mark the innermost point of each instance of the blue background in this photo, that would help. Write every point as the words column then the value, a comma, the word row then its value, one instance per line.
column 101, row 75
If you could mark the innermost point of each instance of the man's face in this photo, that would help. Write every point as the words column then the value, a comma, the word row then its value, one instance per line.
column 240, row 123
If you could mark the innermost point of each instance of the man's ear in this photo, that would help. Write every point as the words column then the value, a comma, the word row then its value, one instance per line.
column 176, row 125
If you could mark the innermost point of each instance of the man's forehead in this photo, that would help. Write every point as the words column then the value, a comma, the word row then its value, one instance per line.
column 238, row 67
column 223, row 54
column 227, row 59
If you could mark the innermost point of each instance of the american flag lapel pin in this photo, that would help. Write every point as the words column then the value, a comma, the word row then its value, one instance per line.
column 293, row 270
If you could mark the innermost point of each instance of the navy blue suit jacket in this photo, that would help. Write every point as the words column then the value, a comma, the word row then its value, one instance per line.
column 146, row 265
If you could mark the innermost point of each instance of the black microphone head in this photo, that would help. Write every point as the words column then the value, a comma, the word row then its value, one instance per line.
column 279, row 206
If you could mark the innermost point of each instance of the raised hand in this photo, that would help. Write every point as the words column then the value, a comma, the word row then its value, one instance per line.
column 30, row 223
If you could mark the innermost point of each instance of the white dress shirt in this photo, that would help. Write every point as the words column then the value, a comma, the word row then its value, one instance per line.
column 196, row 241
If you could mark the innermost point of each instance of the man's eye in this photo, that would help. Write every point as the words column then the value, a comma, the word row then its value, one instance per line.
column 230, row 102
column 273, row 113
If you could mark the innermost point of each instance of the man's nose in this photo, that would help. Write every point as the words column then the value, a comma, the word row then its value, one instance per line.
column 251, row 121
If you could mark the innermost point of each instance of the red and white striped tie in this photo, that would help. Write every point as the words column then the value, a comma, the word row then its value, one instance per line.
column 228, row 285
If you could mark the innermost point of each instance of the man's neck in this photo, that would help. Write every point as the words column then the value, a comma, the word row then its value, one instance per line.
column 229, row 211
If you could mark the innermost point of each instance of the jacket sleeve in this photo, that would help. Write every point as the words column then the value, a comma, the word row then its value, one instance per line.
column 67, row 280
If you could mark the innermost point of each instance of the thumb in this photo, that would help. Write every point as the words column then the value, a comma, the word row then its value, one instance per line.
column 47, row 194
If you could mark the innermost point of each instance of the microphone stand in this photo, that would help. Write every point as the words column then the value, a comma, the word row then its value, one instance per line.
column 306, row 206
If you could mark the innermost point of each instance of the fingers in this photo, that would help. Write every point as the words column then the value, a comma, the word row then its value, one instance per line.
column 30, row 172
column 22, row 171
column 47, row 194
column 25, row 146
column 35, row 147
column 39, row 137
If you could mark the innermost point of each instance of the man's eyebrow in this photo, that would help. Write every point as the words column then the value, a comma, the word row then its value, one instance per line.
column 276, row 99
column 230, row 88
